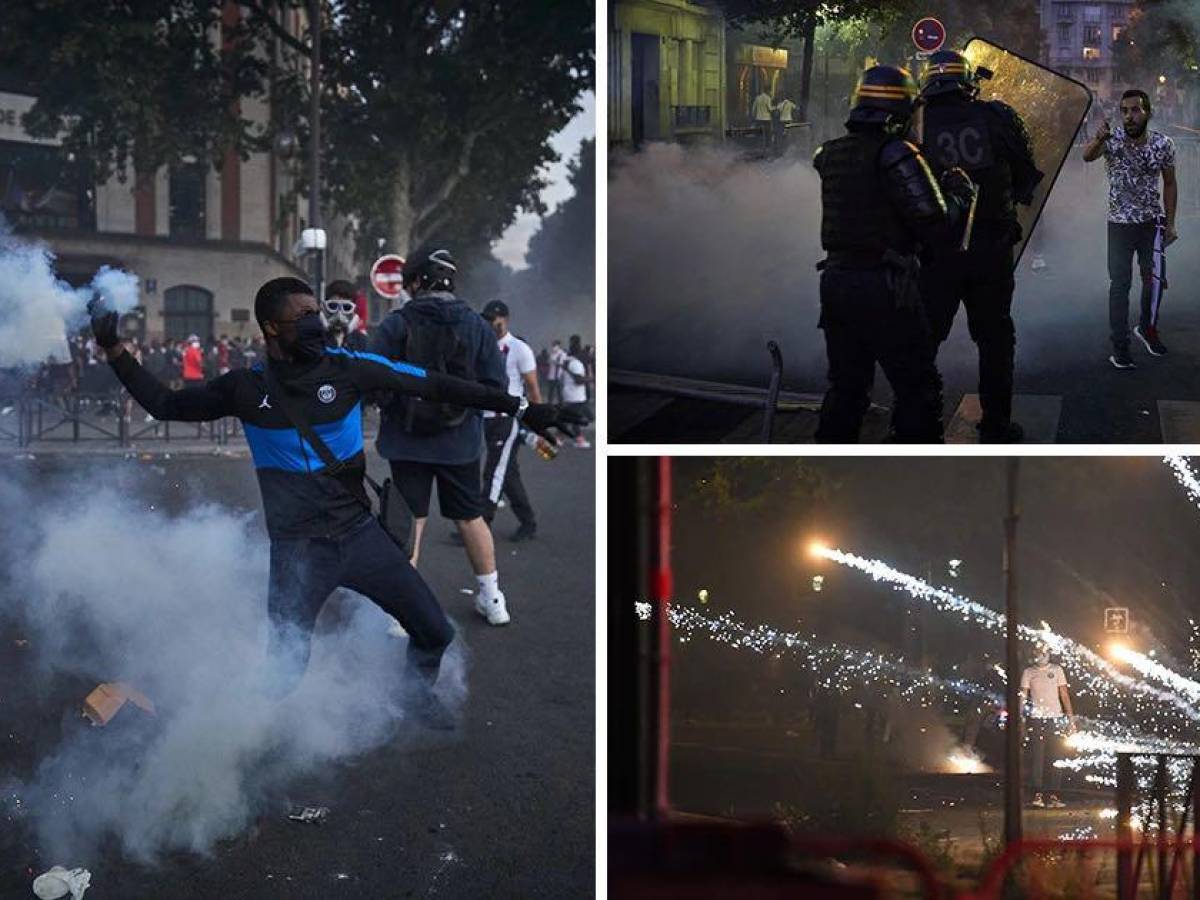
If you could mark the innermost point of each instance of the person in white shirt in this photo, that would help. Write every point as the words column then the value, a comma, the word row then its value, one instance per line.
column 575, row 380
column 785, row 110
column 1045, row 696
column 558, row 358
column 761, row 112
column 501, row 473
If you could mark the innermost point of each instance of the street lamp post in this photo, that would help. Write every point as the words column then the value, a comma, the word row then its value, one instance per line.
column 1012, row 701
column 314, row 155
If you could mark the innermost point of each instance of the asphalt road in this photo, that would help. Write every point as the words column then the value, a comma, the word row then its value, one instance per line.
column 504, row 807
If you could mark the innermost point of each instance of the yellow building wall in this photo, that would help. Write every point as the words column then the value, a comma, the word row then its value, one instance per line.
column 691, row 64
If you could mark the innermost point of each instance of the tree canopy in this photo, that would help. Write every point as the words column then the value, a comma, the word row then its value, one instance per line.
column 436, row 115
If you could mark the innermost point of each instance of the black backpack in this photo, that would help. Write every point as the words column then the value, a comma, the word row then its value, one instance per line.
column 438, row 347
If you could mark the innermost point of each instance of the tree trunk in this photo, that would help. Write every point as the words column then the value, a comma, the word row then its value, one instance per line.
column 810, row 34
column 405, row 236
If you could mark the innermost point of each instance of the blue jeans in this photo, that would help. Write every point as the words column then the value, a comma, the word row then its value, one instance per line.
column 305, row 572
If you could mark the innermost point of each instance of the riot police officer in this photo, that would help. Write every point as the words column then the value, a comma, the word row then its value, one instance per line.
column 879, row 203
column 988, row 140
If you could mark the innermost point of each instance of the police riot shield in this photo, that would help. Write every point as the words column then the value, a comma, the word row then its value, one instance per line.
column 1052, row 106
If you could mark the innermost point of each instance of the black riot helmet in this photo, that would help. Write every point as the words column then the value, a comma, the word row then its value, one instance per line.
column 431, row 268
column 948, row 71
column 885, row 95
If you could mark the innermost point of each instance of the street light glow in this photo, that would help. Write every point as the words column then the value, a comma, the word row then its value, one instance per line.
column 818, row 548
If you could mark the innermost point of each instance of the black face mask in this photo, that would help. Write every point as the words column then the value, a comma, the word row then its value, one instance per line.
column 309, row 341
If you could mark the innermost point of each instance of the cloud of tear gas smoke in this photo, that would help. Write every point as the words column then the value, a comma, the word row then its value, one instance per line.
column 711, row 255
column 177, row 607
column 38, row 310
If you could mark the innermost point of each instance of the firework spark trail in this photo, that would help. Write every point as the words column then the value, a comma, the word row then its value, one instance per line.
column 1153, row 669
column 1085, row 665
column 841, row 667
column 1186, row 476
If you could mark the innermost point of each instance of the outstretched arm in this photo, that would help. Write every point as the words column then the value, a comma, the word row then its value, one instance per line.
column 372, row 372
column 193, row 404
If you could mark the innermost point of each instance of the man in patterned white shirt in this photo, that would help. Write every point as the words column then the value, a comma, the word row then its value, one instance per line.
column 1135, row 157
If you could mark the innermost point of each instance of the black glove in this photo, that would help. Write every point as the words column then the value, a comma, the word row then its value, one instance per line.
column 958, row 185
column 541, row 417
column 104, row 324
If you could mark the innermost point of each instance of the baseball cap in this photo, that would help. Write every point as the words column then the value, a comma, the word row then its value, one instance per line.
column 495, row 309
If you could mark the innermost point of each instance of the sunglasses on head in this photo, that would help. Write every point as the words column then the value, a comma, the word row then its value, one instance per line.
column 340, row 306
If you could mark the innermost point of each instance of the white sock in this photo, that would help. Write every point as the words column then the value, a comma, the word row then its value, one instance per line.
column 488, row 586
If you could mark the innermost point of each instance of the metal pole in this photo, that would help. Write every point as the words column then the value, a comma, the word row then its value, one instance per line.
column 1161, row 787
column 1012, row 734
column 1194, row 799
column 314, row 154
column 1125, row 785
column 663, row 589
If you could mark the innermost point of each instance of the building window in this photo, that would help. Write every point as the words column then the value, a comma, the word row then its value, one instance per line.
column 1091, row 76
column 188, row 310
column 1091, row 52
column 44, row 187
column 187, row 201
column 1064, row 34
column 1064, row 11
column 1091, row 35
column 1118, row 29
column 1092, row 13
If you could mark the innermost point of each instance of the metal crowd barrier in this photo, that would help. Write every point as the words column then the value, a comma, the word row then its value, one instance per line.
column 111, row 416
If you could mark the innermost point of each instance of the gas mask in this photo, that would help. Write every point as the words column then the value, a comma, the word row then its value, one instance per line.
column 1042, row 657
column 339, row 315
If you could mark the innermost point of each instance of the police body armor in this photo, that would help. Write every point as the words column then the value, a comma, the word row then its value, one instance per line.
column 858, row 224
column 959, row 132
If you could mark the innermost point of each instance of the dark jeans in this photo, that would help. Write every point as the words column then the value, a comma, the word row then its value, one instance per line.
column 981, row 279
column 1123, row 242
column 1044, row 745
column 366, row 560
column 502, row 473
column 863, row 326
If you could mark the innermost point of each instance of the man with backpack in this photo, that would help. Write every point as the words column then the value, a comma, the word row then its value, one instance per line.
column 426, row 442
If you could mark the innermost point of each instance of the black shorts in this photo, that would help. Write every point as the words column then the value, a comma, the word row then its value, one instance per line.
column 458, row 488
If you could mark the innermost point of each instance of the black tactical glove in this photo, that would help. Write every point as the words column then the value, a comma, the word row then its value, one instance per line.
column 104, row 324
column 958, row 185
column 541, row 417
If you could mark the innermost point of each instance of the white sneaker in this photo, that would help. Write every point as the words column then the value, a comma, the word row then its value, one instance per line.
column 495, row 612
column 582, row 443
column 1055, row 803
column 1038, row 801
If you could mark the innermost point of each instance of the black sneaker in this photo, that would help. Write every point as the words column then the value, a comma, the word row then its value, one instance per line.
column 1150, row 340
column 525, row 533
column 1010, row 433
column 1121, row 360
column 431, row 712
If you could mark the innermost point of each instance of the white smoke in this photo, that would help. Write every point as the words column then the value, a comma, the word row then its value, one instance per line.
column 38, row 309
column 711, row 256
column 107, row 589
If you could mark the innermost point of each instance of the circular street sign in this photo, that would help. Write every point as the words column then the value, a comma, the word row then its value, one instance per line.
column 929, row 34
column 387, row 275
